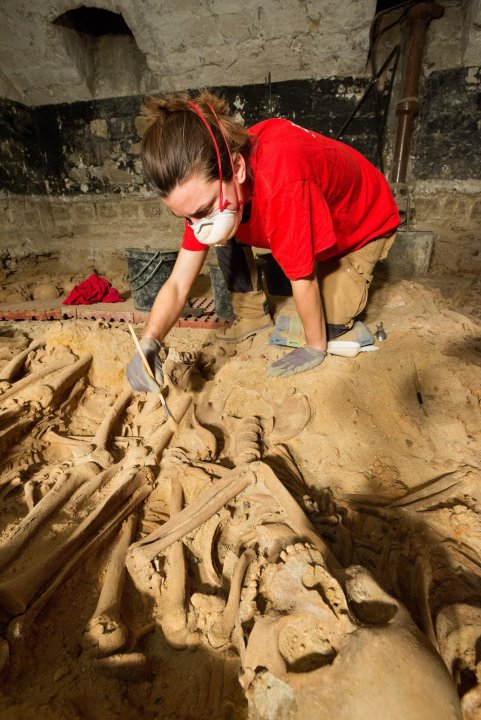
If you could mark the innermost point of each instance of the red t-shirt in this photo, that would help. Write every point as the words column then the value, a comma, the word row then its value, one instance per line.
column 314, row 198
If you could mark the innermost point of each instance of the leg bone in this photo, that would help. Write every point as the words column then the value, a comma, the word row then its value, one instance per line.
column 173, row 619
column 17, row 592
column 190, row 518
column 11, row 369
column 221, row 631
column 64, row 487
column 35, row 377
column 105, row 633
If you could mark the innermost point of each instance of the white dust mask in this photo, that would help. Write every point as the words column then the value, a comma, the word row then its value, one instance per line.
column 217, row 228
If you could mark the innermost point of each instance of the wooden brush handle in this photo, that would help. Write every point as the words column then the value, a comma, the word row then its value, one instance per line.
column 172, row 421
column 141, row 352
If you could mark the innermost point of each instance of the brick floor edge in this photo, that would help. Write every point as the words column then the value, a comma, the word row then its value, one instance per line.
column 110, row 312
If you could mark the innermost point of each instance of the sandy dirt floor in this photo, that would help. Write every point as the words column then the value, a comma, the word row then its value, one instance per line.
column 363, row 440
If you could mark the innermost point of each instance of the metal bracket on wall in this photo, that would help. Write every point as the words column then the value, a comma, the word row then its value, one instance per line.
column 393, row 55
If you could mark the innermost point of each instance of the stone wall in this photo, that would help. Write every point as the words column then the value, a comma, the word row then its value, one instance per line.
column 93, row 147
column 70, row 177
column 446, row 168
column 75, row 187
column 84, row 231
column 452, row 211
column 447, row 142
column 181, row 45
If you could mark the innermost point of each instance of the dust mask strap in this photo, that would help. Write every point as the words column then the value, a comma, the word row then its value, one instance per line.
column 222, row 203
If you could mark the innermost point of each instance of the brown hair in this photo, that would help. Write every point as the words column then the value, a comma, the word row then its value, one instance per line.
column 177, row 143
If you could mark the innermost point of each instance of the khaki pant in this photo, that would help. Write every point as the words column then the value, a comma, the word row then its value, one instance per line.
column 344, row 282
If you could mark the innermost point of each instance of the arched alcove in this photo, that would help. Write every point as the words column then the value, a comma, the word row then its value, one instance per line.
column 94, row 21
column 100, row 42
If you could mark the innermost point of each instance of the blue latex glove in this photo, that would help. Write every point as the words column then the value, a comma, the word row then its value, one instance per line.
column 137, row 374
column 297, row 361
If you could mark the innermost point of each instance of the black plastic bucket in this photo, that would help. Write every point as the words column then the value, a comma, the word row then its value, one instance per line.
column 222, row 296
column 276, row 281
column 148, row 271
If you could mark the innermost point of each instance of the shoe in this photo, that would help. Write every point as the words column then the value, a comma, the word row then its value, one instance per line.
column 358, row 333
column 251, row 316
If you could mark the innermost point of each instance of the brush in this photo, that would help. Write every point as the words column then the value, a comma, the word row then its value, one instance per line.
column 174, row 425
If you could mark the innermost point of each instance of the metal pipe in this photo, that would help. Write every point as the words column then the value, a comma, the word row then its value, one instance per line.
column 419, row 18
column 393, row 54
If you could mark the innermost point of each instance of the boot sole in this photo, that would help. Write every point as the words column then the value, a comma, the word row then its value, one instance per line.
column 245, row 335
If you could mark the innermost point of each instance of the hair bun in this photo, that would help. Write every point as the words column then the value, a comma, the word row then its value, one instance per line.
column 159, row 108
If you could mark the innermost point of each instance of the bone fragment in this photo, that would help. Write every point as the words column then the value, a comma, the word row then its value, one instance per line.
column 96, row 450
column 206, row 438
column 160, row 439
column 66, row 378
column 212, row 468
column 28, row 490
column 471, row 703
column 284, row 467
column 369, row 602
column 12, row 474
column 12, row 413
column 11, row 369
column 103, row 433
column 458, row 630
column 6, row 490
column 52, row 392
column 71, row 441
column 270, row 538
column 55, row 438
column 208, row 535
column 303, row 644
column 105, row 633
column 291, row 415
column 125, row 666
column 11, row 435
column 263, row 650
column 441, row 489
column 423, row 580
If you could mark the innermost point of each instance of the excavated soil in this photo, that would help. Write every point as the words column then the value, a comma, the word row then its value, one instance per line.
column 378, row 426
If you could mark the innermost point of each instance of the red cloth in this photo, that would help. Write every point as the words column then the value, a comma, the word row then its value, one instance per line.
column 314, row 198
column 93, row 290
